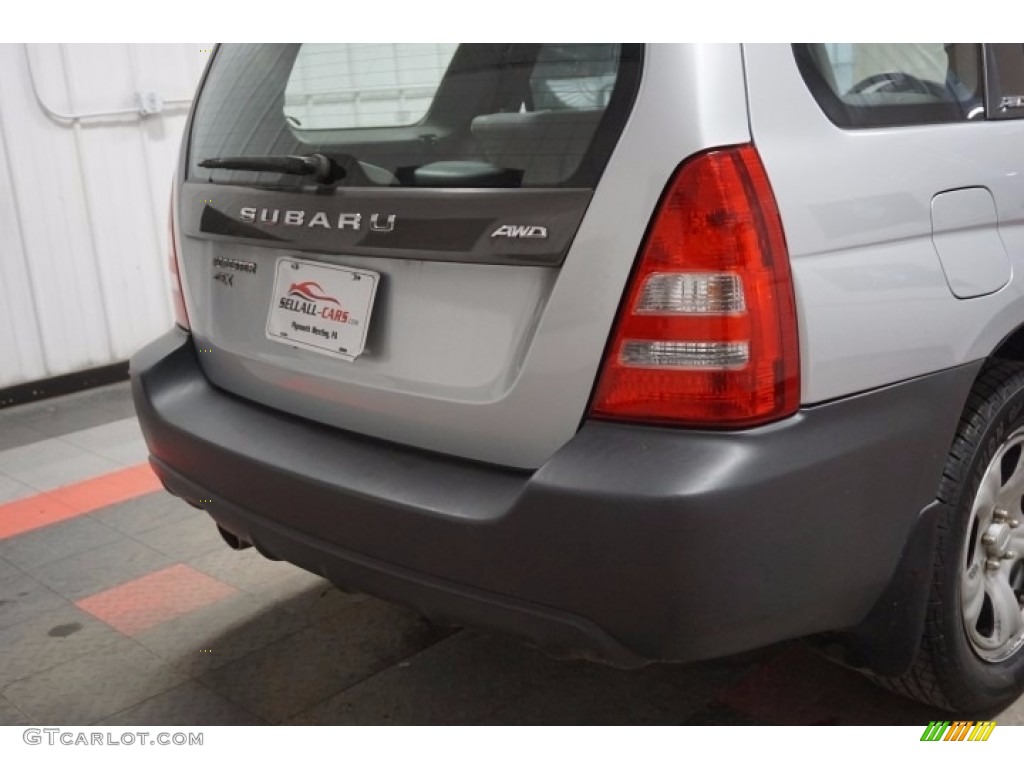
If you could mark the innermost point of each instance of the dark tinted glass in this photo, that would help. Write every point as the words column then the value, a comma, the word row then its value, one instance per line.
column 867, row 85
column 1004, row 70
column 490, row 115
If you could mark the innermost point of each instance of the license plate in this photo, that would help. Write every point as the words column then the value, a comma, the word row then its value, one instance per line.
column 321, row 307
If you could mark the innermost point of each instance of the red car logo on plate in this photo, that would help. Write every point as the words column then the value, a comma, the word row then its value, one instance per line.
column 311, row 291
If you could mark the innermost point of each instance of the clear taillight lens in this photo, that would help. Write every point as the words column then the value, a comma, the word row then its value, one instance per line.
column 686, row 293
column 710, row 355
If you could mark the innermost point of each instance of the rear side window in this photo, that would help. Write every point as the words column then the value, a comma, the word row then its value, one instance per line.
column 487, row 115
column 861, row 85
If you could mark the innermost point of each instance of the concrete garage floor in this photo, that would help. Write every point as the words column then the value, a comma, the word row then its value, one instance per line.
column 121, row 605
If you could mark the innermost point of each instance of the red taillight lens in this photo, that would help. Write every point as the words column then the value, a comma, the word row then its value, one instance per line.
column 177, row 297
column 707, row 334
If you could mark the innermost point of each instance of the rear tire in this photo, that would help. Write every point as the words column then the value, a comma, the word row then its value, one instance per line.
column 971, row 655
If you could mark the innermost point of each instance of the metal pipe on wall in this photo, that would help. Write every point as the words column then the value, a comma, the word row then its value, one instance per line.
column 77, row 116
column 116, row 244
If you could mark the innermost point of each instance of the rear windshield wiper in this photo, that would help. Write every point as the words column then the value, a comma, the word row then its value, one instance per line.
column 322, row 167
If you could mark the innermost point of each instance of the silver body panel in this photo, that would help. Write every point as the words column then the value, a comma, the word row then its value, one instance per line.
column 965, row 229
column 894, row 277
column 873, row 303
column 494, row 363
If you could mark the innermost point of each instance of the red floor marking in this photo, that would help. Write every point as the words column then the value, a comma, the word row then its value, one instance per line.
column 143, row 603
column 76, row 499
column 34, row 512
column 102, row 491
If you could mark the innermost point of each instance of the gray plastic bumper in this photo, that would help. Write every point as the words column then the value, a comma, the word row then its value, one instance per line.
column 631, row 543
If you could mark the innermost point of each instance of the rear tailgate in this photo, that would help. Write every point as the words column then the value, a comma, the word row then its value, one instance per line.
column 454, row 290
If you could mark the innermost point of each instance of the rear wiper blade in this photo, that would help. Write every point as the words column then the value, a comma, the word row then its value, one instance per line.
column 322, row 167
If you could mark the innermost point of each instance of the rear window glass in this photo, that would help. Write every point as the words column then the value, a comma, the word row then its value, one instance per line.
column 340, row 85
column 414, row 115
column 866, row 85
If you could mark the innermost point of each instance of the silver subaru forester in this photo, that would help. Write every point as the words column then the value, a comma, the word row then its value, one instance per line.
column 637, row 352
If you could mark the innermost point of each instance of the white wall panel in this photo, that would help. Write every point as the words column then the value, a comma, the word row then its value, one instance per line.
column 83, row 203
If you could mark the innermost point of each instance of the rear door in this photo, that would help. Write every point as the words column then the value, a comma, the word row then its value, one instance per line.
column 452, row 284
column 898, row 185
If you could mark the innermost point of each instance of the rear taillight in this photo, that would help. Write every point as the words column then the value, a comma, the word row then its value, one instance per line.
column 177, row 296
column 707, row 334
